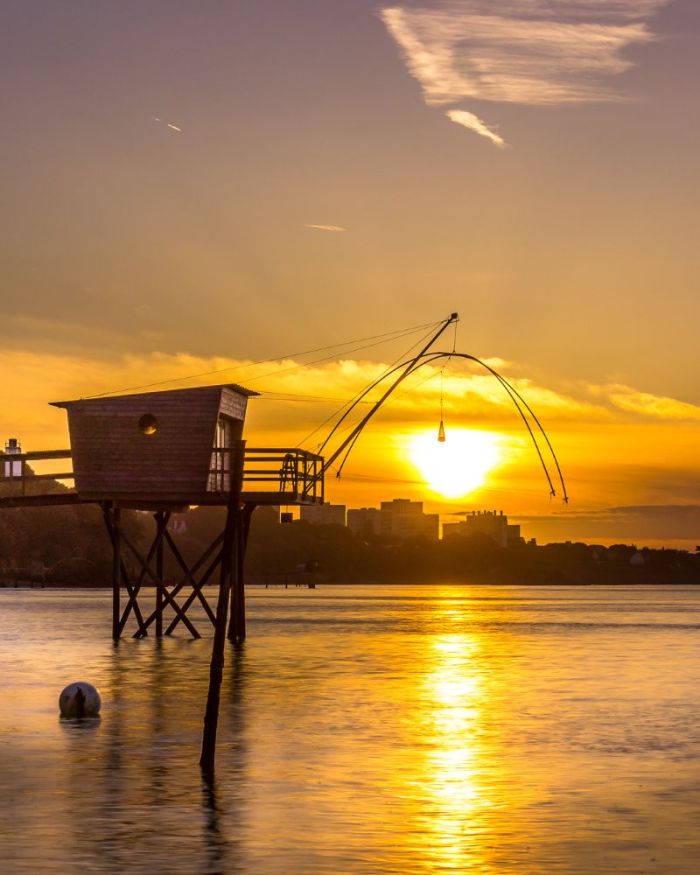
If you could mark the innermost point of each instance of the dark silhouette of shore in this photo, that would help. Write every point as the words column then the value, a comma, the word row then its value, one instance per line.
column 67, row 546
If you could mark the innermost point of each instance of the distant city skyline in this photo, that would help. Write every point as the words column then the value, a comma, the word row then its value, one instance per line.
column 651, row 526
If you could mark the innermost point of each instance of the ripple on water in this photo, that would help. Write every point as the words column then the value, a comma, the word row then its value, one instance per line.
column 363, row 730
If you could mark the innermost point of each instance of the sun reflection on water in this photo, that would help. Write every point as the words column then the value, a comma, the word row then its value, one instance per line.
column 456, row 694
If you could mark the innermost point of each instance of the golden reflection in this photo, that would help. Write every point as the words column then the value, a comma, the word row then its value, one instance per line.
column 470, row 772
column 456, row 694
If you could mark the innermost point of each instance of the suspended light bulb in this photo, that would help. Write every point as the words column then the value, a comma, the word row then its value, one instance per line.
column 441, row 428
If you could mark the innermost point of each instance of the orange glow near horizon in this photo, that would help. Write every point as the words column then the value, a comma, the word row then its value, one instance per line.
column 458, row 466
column 607, row 438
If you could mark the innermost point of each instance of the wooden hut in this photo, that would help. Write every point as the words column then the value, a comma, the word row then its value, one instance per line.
column 162, row 449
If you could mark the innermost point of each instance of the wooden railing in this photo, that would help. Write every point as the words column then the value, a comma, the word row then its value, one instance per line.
column 289, row 471
column 14, row 469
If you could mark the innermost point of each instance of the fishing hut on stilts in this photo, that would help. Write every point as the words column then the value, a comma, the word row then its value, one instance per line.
column 166, row 451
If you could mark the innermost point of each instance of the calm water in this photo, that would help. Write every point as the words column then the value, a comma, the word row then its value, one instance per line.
column 363, row 730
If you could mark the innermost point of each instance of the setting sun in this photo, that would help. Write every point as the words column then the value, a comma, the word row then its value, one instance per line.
column 457, row 466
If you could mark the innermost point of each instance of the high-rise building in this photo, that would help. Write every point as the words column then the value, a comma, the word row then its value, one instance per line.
column 363, row 521
column 485, row 522
column 323, row 514
column 403, row 518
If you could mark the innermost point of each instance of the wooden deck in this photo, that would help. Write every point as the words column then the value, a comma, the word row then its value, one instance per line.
column 271, row 475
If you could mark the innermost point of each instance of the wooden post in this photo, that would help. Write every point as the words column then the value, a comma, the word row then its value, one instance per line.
column 116, row 567
column 229, row 565
column 237, row 623
column 160, row 524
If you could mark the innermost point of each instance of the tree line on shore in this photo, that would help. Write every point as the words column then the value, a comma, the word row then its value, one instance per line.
column 68, row 545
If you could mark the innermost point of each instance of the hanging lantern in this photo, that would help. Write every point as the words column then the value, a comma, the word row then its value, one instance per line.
column 441, row 429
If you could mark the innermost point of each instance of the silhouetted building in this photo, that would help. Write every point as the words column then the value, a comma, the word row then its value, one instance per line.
column 323, row 514
column 12, row 448
column 363, row 521
column 494, row 524
column 403, row 518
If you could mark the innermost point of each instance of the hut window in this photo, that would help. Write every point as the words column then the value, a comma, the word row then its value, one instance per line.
column 223, row 433
column 148, row 424
column 220, row 474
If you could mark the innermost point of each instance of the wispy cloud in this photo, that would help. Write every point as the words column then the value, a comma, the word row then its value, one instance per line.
column 325, row 227
column 538, row 52
column 168, row 124
column 645, row 524
column 474, row 123
column 652, row 406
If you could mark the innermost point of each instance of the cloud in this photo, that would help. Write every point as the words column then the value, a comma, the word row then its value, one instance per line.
column 669, row 524
column 523, row 51
column 536, row 52
column 474, row 123
column 325, row 227
column 470, row 395
column 168, row 124
column 660, row 407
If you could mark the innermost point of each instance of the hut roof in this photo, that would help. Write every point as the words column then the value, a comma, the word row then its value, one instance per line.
column 249, row 393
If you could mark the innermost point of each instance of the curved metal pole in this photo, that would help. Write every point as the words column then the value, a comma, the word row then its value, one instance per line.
column 409, row 365
column 512, row 391
column 428, row 357
column 436, row 356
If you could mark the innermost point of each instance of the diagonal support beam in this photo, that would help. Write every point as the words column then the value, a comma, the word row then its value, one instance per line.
column 133, row 594
column 168, row 597
column 133, row 601
column 188, row 578
column 120, row 575
column 197, row 587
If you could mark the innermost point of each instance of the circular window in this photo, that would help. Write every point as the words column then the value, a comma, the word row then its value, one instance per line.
column 148, row 424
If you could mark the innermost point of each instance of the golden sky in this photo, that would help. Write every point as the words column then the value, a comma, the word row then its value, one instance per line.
column 192, row 187
column 618, row 447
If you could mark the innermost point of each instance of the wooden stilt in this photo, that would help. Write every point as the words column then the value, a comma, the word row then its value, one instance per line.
column 120, row 575
column 229, row 565
column 237, row 623
column 116, row 568
column 160, row 529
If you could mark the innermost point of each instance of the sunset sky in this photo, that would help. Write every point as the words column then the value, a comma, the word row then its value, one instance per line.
column 190, row 188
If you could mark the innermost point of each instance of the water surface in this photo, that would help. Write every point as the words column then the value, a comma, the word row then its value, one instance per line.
column 363, row 730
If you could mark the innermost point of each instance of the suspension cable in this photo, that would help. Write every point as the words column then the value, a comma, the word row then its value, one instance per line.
column 381, row 338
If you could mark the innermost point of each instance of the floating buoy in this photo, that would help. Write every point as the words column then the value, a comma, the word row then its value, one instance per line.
column 79, row 700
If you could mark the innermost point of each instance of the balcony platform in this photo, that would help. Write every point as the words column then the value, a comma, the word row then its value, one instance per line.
column 271, row 476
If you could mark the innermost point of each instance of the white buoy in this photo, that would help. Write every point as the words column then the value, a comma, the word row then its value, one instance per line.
column 79, row 699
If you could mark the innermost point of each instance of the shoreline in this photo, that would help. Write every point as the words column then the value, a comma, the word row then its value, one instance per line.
column 29, row 585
